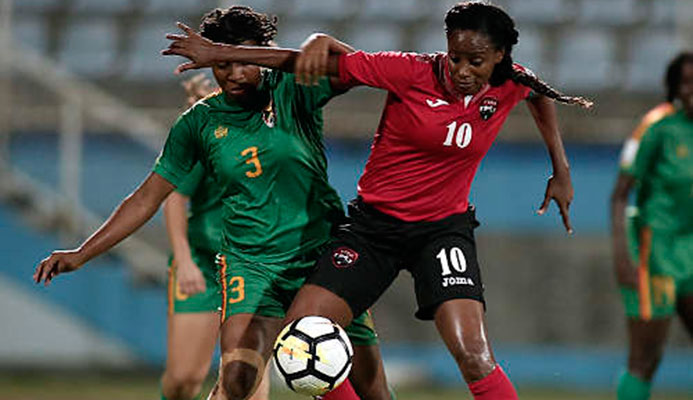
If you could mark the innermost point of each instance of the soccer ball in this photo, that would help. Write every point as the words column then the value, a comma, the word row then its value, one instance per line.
column 313, row 355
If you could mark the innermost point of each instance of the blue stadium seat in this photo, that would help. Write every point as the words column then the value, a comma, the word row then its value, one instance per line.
column 293, row 33
column 89, row 47
column 31, row 33
column 37, row 5
column 102, row 6
column 585, row 60
column 662, row 12
column 530, row 51
column 612, row 13
column 540, row 11
column 179, row 7
column 145, row 62
column 370, row 37
column 395, row 10
column 323, row 9
column 431, row 39
column 649, row 53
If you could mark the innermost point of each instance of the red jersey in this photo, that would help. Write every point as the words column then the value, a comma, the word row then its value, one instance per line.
column 429, row 142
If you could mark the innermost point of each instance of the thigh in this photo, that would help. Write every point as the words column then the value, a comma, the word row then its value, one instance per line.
column 446, row 268
column 684, row 307
column 355, row 271
column 191, row 341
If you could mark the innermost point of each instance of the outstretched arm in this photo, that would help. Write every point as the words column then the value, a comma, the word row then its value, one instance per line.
column 625, row 271
column 203, row 53
column 132, row 213
column 559, row 187
column 188, row 275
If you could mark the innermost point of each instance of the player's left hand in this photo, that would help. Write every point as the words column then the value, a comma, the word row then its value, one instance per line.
column 58, row 262
column 559, row 189
column 190, row 44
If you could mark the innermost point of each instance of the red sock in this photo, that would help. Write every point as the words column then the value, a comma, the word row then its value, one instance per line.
column 343, row 392
column 494, row 386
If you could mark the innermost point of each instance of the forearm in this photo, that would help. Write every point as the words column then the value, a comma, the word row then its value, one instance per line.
column 275, row 58
column 619, row 202
column 544, row 113
column 132, row 213
column 176, row 216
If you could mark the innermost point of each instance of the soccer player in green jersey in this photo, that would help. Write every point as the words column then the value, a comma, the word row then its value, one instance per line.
column 260, row 139
column 653, row 245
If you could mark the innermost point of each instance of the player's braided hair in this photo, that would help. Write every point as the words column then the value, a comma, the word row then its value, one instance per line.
column 237, row 24
column 673, row 77
column 491, row 20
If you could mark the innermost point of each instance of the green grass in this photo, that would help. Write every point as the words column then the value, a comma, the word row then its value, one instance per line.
column 80, row 386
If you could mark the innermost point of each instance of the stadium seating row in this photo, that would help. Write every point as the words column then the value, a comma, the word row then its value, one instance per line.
column 103, row 46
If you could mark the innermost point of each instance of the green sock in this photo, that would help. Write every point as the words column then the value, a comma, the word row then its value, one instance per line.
column 162, row 396
column 631, row 387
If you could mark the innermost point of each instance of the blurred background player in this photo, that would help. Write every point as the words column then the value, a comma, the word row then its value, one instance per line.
column 653, row 244
column 442, row 115
column 193, row 214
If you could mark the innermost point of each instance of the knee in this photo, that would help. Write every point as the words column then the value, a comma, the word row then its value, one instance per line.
column 182, row 384
column 239, row 380
column 474, row 358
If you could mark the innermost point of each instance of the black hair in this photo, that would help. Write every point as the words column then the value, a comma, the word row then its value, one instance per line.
column 238, row 24
column 673, row 76
column 495, row 23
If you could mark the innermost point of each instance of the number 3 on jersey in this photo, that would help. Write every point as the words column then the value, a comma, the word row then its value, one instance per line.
column 257, row 171
column 462, row 136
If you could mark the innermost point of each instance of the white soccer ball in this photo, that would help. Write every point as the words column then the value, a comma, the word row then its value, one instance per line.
column 313, row 355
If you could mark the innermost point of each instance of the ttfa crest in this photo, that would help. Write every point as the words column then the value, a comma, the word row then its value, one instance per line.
column 488, row 107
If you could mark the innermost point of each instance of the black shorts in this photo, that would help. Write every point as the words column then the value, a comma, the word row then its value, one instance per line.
column 368, row 252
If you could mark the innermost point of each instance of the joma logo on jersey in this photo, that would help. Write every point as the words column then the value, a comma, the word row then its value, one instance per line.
column 488, row 107
column 221, row 132
column 457, row 281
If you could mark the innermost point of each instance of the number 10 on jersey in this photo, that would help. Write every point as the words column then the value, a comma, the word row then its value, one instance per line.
column 462, row 135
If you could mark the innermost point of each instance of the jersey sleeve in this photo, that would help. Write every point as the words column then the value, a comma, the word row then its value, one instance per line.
column 389, row 70
column 645, row 153
column 632, row 145
column 189, row 185
column 180, row 152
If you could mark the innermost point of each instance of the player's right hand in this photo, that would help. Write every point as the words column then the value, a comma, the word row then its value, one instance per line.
column 189, row 277
column 311, row 63
column 199, row 50
column 60, row 261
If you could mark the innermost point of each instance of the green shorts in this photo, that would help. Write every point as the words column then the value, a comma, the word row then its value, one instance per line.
column 207, row 301
column 268, row 289
column 665, row 272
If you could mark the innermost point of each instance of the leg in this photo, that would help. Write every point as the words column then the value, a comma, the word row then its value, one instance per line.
column 463, row 329
column 684, row 307
column 191, row 340
column 246, row 343
column 316, row 300
column 368, row 373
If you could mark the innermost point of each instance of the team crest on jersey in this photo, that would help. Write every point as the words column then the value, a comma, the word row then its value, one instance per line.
column 221, row 132
column 269, row 116
column 488, row 107
column 344, row 257
column 682, row 151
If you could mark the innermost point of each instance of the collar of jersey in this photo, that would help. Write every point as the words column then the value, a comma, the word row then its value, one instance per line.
column 230, row 112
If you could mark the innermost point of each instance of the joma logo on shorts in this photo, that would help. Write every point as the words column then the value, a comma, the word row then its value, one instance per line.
column 456, row 281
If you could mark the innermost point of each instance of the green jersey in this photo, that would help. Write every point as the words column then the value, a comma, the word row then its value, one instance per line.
column 205, row 211
column 269, row 166
column 663, row 168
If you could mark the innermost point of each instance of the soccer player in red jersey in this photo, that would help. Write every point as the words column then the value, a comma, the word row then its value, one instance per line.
column 442, row 114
